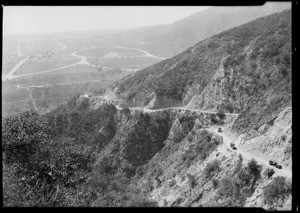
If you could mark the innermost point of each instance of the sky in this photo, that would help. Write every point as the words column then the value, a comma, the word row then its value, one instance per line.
column 48, row 19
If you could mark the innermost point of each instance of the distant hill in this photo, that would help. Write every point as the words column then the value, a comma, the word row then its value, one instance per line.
column 169, row 40
column 239, row 70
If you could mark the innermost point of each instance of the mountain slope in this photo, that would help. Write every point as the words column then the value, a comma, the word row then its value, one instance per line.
column 245, row 70
column 177, row 37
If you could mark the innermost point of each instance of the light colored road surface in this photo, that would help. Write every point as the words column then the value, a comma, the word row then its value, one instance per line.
column 147, row 54
column 248, row 156
column 10, row 74
column 226, row 139
column 167, row 108
column 179, row 108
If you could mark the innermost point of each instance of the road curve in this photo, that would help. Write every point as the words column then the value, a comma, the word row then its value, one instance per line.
column 248, row 156
column 147, row 54
column 83, row 60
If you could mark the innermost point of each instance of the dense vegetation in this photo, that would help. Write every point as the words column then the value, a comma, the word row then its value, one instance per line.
column 53, row 160
column 257, row 72
column 235, row 189
column 277, row 191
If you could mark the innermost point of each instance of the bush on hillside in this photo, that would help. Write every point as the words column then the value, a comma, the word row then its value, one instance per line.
column 215, row 183
column 221, row 114
column 191, row 181
column 172, row 183
column 125, row 111
column 139, row 171
column 244, row 177
column 214, row 119
column 212, row 168
column 254, row 168
column 277, row 190
column 269, row 172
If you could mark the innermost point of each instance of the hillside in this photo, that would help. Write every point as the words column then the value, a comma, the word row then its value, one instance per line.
column 86, row 154
column 169, row 40
column 240, row 70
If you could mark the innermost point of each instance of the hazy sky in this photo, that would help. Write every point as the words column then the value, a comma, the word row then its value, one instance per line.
column 42, row 19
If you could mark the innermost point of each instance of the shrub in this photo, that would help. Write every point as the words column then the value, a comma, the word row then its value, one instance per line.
column 22, row 135
column 178, row 136
column 244, row 177
column 269, row 172
column 125, row 111
column 149, row 186
column 278, row 189
column 214, row 119
column 254, row 168
column 212, row 168
column 192, row 181
column 158, row 182
column 172, row 183
column 215, row 183
column 221, row 114
column 190, row 138
column 139, row 171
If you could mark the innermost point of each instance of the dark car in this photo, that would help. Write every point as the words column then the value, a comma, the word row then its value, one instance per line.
column 220, row 130
column 273, row 163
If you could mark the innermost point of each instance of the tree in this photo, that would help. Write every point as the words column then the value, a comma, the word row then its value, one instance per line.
column 21, row 136
column 221, row 114
column 254, row 168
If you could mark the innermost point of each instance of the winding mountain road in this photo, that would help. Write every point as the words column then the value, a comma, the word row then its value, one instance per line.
column 179, row 108
column 246, row 155
column 226, row 139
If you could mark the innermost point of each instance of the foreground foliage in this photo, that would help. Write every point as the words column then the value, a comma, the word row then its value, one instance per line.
column 49, row 165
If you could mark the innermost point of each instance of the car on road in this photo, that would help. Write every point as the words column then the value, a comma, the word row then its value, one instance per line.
column 233, row 146
column 220, row 130
column 274, row 163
